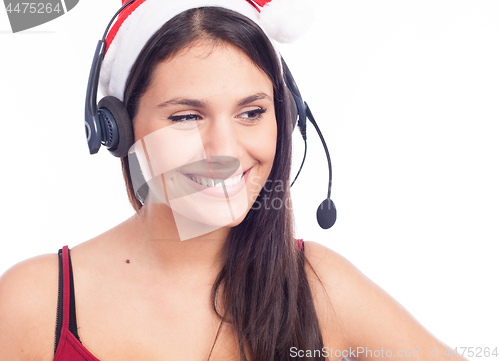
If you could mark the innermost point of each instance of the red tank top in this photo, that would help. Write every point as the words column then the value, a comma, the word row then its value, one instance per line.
column 68, row 346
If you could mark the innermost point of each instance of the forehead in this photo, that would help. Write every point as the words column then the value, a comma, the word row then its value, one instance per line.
column 206, row 69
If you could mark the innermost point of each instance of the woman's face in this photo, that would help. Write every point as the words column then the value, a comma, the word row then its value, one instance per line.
column 205, row 136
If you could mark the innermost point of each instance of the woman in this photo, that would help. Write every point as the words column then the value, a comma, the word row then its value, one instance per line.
column 200, row 272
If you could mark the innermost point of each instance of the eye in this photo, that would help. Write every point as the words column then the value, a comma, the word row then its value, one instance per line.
column 253, row 115
column 185, row 118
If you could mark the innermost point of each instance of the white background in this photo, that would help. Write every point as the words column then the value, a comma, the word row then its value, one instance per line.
column 407, row 95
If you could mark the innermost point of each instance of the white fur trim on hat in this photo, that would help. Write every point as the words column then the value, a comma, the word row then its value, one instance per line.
column 286, row 20
column 138, row 28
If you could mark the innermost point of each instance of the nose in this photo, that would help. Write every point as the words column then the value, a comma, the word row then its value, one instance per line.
column 221, row 141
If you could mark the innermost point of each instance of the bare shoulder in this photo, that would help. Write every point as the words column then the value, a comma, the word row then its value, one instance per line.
column 333, row 273
column 339, row 290
column 353, row 309
column 325, row 259
column 330, row 277
column 28, row 307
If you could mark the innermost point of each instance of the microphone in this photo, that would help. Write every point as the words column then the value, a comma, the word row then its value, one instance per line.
column 326, row 213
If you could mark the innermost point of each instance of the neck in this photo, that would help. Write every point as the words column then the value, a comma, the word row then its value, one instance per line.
column 162, row 242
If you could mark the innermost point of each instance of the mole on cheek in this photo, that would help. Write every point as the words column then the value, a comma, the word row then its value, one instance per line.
column 128, row 261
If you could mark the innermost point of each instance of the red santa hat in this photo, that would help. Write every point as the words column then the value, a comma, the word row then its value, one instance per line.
column 282, row 20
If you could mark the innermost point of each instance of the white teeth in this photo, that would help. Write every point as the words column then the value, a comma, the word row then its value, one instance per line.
column 208, row 182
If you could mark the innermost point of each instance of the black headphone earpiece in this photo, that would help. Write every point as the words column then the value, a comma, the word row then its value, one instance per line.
column 116, row 126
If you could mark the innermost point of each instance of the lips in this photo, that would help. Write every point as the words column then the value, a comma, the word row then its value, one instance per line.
column 216, row 178
column 216, row 167
column 215, row 182
column 218, row 187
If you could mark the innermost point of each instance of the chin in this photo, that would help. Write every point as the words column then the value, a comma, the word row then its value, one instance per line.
column 197, row 213
column 237, row 221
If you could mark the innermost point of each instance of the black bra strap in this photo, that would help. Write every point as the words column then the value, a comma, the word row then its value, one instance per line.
column 72, row 309
column 59, row 303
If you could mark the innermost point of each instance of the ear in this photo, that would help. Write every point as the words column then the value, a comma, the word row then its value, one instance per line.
column 139, row 184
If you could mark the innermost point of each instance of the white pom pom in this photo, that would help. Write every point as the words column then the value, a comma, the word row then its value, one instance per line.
column 286, row 20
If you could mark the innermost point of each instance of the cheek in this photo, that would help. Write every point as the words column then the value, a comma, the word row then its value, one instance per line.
column 269, row 144
column 263, row 151
column 263, row 146
column 168, row 148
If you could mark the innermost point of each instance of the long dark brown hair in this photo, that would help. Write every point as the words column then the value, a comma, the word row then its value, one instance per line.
column 263, row 286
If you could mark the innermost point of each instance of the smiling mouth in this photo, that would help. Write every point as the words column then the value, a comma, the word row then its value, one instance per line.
column 209, row 182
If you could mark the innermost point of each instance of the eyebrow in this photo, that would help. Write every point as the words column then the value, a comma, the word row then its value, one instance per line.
column 201, row 104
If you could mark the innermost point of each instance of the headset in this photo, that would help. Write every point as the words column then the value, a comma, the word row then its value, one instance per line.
column 108, row 123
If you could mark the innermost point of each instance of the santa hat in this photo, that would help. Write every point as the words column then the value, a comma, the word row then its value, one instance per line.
column 282, row 20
